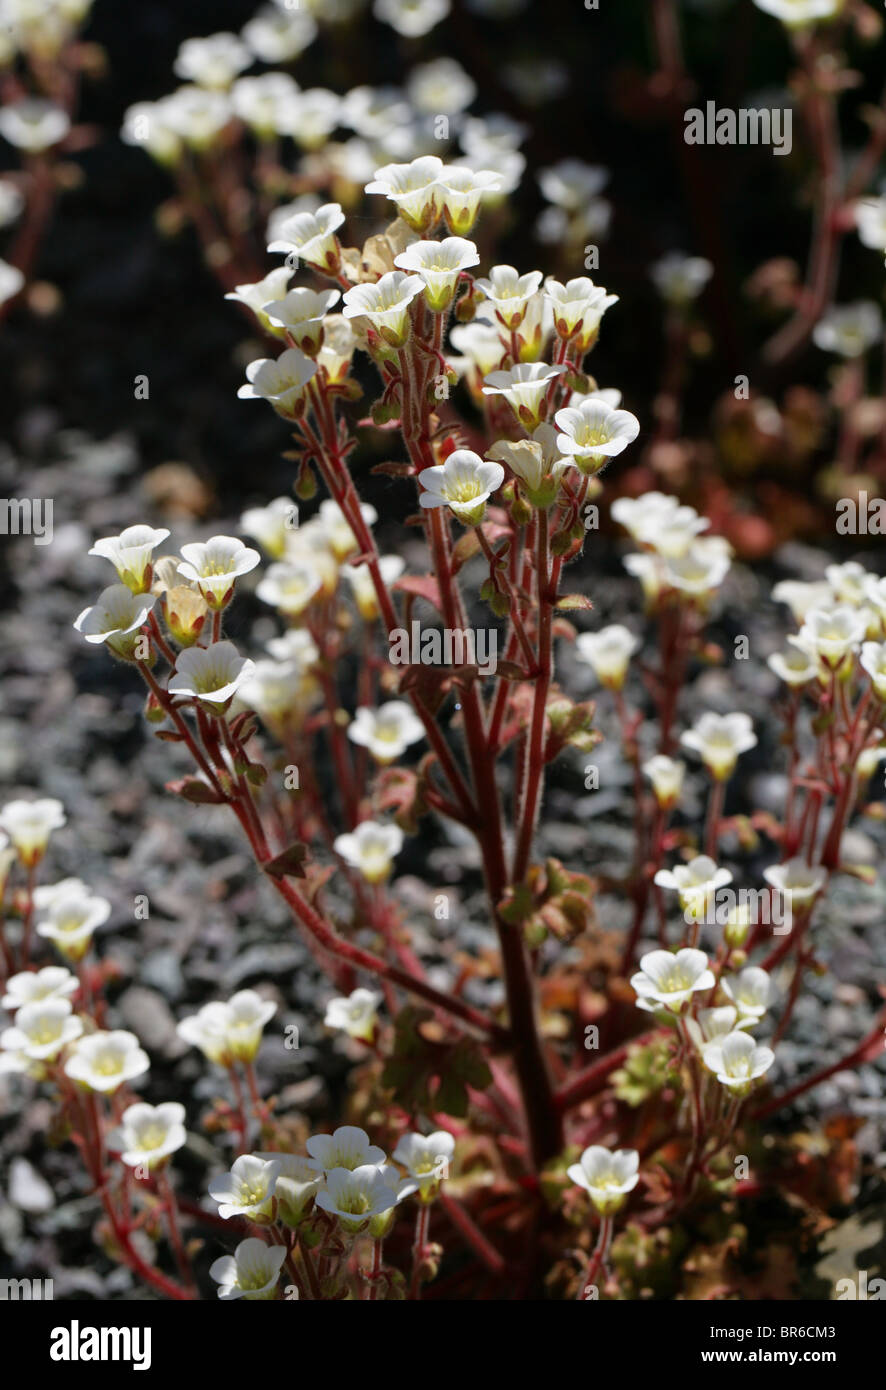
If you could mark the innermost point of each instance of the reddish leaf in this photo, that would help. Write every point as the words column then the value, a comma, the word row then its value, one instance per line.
column 423, row 585
column 289, row 864
column 197, row 791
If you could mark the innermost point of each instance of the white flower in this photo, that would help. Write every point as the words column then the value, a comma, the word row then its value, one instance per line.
column 593, row 433
column 873, row 660
column 375, row 111
column 210, row 674
column 659, row 522
column 875, row 598
column 802, row 597
column 355, row 1196
column 536, row 462
column 797, row 13
column 257, row 294
column 387, row 731
column 869, row 759
column 831, row 634
column 42, row 1029
column 247, row 1015
column 301, row 313
column 441, row 87
column 248, row 1189
column 496, row 131
column 718, row 739
column 312, row 116
column 30, row 986
column 311, row 235
column 848, row 582
column 197, row 115
column 438, row 265
column 45, row 894
column 481, row 343
column 149, row 124
column 507, row 165
column 11, row 281
column 348, row 1148
column 363, row 587
column 712, row 1024
column 208, row 1030
column 578, row 306
column 671, row 979
column 295, row 646
column 212, row 62
column 570, row 184
column 29, row 825
column 642, row 516
column 796, row 880
column 749, row 991
column 116, row 618
column 284, row 212
column 297, row 1183
column 214, row 565
column 355, row 1013
column 338, row 347
column 737, row 1061
column 130, row 554
column 679, row 278
column 148, row 1134
column 666, row 775
column 336, row 529
column 795, row 667
column 524, row 387
column 12, row 202
column 606, row 1176
column 849, row 329
column 696, row 882
column 266, row 103
column 271, row 525
column 648, row 569
column 426, row 1159
column 536, row 328
column 252, row 1272
column 463, row 483
column 385, row 304
column 275, row 689
column 461, row 190
column 104, row 1061
column 282, row 382
column 371, row 849
column 290, row 587
column 33, row 124
column 411, row 18
column 279, row 36
column 72, row 919
column 412, row 188
column 870, row 219
column 509, row 292
column 608, row 653
column 699, row 570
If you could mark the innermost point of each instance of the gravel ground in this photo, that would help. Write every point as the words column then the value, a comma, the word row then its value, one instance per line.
column 70, row 727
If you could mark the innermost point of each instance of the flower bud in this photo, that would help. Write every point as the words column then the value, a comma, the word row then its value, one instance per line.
column 185, row 611
column 736, row 931
column 154, row 711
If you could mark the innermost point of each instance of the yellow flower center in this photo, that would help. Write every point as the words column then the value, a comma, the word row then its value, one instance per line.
column 355, row 1204
column 107, row 1064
